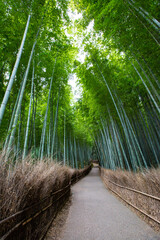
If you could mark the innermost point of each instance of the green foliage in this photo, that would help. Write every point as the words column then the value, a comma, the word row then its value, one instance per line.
column 121, row 36
column 122, row 40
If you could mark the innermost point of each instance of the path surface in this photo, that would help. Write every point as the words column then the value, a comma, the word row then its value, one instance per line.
column 95, row 214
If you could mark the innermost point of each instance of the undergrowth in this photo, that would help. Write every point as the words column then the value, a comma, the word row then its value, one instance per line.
column 27, row 183
column 147, row 182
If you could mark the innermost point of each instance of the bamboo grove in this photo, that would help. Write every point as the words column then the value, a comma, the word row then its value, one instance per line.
column 35, row 111
column 116, row 120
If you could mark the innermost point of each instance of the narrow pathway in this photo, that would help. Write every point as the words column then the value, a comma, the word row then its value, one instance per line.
column 96, row 214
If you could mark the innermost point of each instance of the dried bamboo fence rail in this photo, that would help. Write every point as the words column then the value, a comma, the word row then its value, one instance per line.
column 157, row 221
column 141, row 211
column 136, row 191
column 25, row 224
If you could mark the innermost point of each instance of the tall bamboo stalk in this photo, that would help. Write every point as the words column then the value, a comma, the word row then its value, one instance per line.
column 64, row 160
column 46, row 114
column 28, row 120
column 55, row 125
column 11, row 80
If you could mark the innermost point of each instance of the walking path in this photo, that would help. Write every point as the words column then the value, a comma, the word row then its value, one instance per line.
column 95, row 214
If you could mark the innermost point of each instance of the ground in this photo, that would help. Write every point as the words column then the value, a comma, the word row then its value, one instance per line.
column 95, row 214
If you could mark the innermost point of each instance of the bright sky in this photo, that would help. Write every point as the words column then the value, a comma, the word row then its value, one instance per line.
column 73, row 81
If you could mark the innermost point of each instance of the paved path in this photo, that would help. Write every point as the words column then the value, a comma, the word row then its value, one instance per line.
column 95, row 214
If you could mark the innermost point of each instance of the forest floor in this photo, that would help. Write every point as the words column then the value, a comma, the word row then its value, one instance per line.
column 95, row 214
column 56, row 228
